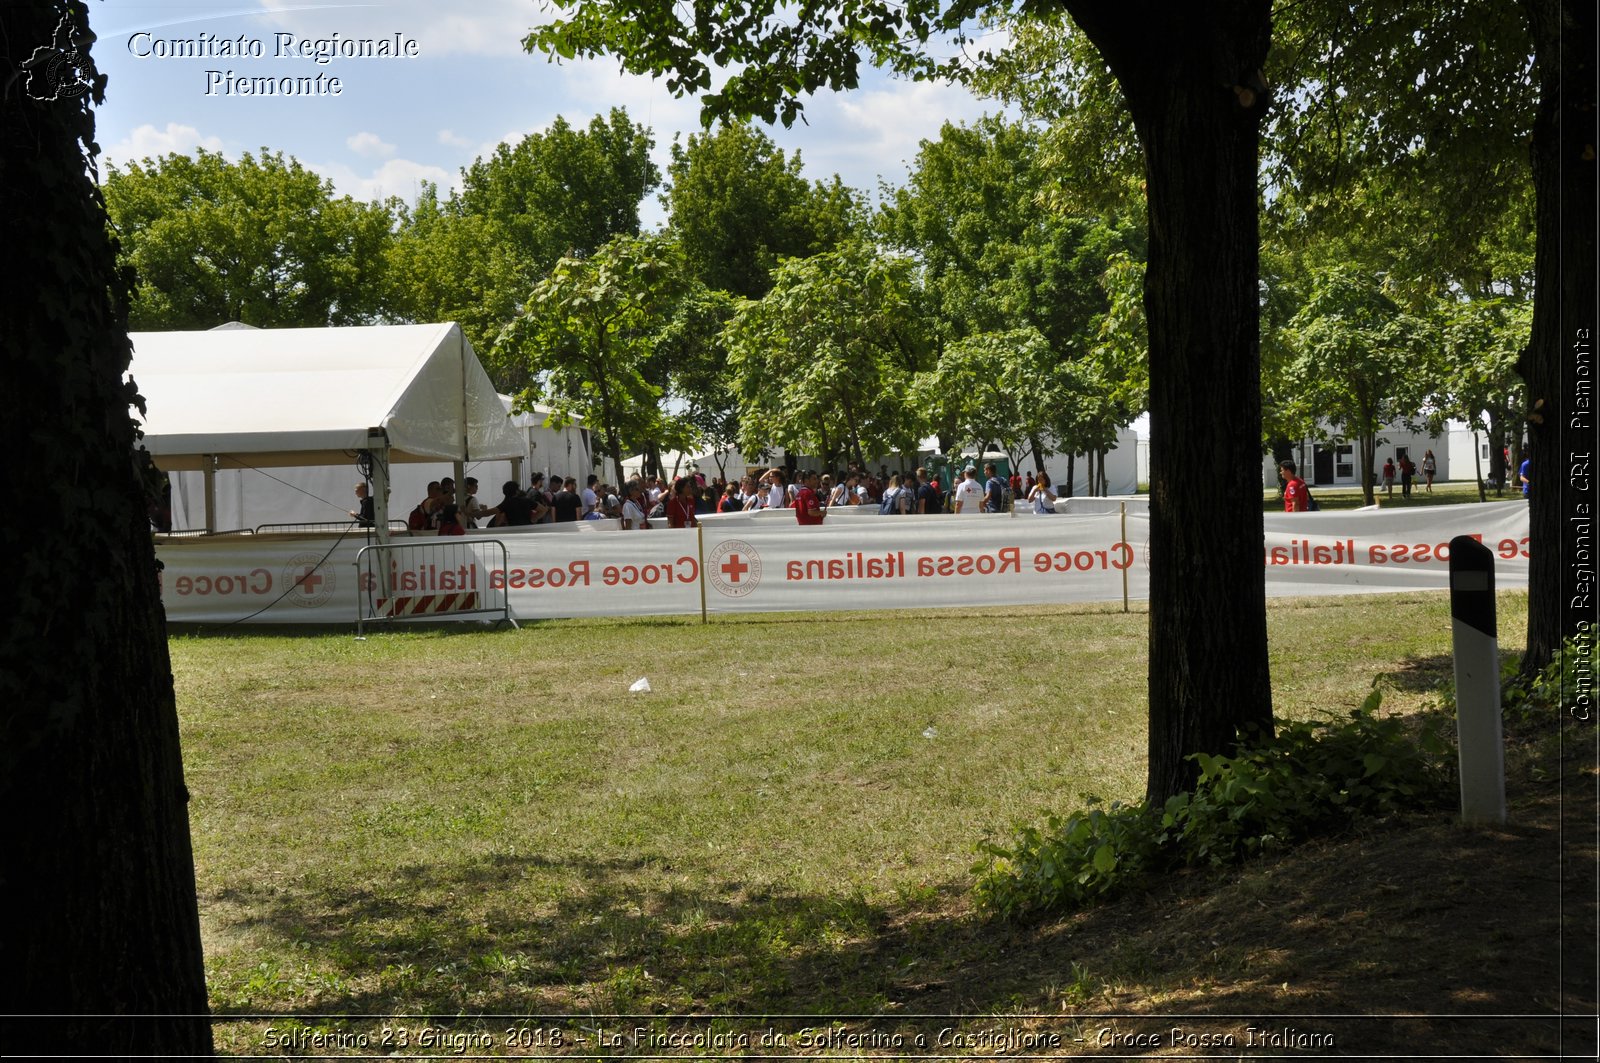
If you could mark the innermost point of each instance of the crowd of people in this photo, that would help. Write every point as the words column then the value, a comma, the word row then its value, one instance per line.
column 646, row 502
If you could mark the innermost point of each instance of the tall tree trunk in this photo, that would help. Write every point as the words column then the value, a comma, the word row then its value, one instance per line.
column 1368, row 443
column 104, row 935
column 1477, row 463
column 1564, row 143
column 1497, row 450
column 1191, row 75
column 1072, row 476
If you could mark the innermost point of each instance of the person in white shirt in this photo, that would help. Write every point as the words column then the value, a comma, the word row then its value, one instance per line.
column 633, row 514
column 1042, row 497
column 969, row 493
column 471, row 509
column 591, row 500
column 777, row 497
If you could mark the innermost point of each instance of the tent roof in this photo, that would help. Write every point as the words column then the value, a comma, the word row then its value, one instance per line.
column 307, row 396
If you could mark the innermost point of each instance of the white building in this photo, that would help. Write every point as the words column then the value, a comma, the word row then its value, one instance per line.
column 1336, row 462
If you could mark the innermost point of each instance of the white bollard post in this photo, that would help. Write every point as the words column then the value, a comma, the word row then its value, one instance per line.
column 1477, row 669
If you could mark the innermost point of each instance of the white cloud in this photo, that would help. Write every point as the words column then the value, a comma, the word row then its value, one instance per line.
column 485, row 27
column 601, row 86
column 455, row 140
column 369, row 145
column 884, row 128
column 396, row 177
column 148, row 142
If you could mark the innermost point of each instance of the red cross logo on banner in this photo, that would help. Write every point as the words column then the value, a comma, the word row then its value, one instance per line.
column 311, row 580
column 733, row 568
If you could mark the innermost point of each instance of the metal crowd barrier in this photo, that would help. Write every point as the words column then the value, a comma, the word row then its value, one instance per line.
column 453, row 578
column 202, row 533
column 322, row 526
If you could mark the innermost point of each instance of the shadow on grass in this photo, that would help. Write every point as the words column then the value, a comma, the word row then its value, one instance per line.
column 1423, row 675
column 1417, row 931
column 1420, row 675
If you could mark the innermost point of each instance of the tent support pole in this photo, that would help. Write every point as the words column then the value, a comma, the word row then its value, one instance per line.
column 208, row 473
column 378, row 447
column 1124, row 507
column 700, row 548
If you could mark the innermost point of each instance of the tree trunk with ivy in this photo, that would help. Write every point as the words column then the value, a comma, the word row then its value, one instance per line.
column 104, row 942
column 1564, row 146
column 1191, row 76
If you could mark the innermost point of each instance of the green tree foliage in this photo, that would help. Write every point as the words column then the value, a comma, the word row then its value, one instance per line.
column 692, row 348
column 822, row 363
column 1404, row 119
column 1481, row 341
column 587, row 341
column 1111, row 384
column 565, row 191
column 964, row 213
column 738, row 206
column 1027, row 287
column 1058, row 79
column 1361, row 361
column 263, row 241
column 448, row 266
column 985, row 389
column 474, row 257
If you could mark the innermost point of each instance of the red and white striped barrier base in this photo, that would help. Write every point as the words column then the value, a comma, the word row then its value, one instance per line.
column 428, row 604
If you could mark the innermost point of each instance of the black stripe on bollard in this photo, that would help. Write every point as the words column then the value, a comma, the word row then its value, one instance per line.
column 1472, row 584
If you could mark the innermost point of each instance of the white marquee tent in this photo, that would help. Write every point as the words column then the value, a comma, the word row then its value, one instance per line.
column 233, row 400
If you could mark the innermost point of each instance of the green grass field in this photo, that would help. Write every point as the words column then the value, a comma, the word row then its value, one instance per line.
column 464, row 821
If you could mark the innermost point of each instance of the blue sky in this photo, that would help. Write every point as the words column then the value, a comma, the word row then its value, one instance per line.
column 400, row 121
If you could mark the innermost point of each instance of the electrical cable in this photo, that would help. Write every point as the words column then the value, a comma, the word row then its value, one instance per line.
column 364, row 463
column 307, row 574
column 286, row 483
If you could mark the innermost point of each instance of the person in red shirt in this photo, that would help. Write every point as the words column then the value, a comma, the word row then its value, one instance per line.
column 807, row 507
column 1296, row 496
column 680, row 507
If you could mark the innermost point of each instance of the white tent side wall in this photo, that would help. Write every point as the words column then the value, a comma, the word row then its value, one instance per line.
column 248, row 497
column 1121, row 472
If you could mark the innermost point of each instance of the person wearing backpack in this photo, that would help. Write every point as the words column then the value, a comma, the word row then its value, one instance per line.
column 894, row 498
column 1296, row 495
column 425, row 516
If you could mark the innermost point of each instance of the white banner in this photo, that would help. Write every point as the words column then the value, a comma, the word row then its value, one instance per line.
column 1388, row 549
column 771, row 564
column 901, row 562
